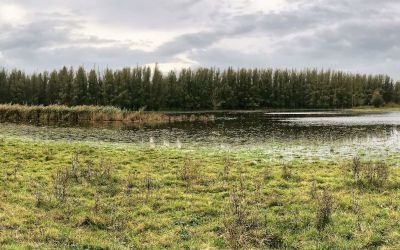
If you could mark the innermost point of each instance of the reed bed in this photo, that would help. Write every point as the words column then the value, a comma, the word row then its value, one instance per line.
column 56, row 114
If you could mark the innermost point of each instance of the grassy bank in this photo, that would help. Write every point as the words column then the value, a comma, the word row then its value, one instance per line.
column 58, row 114
column 72, row 195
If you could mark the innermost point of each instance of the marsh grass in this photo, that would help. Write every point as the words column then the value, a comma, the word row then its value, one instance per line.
column 59, row 114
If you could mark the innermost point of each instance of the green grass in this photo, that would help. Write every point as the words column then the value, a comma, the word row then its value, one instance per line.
column 145, row 198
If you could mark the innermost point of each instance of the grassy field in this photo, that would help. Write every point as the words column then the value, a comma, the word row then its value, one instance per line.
column 81, row 196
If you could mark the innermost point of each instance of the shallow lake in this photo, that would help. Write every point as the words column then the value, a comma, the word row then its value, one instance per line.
column 294, row 135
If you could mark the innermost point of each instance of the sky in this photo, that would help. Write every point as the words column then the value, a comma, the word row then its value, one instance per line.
column 360, row 36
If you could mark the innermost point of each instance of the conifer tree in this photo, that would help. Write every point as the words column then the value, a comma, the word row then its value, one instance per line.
column 93, row 88
column 80, row 87
column 156, row 93
column 66, row 78
column 108, row 87
column 4, row 93
column 53, row 89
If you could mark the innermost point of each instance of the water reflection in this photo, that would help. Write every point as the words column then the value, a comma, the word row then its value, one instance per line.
column 329, row 132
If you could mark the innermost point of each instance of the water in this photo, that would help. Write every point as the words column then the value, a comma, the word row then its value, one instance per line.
column 290, row 135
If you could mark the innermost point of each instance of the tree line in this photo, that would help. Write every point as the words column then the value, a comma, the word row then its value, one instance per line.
column 203, row 88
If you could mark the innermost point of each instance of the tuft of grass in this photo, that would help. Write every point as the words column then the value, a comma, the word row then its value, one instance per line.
column 189, row 173
column 60, row 184
column 324, row 212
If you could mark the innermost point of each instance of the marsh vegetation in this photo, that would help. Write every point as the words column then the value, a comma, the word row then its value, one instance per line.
column 75, row 116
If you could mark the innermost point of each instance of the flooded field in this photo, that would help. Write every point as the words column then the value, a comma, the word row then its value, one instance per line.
column 289, row 135
column 116, row 186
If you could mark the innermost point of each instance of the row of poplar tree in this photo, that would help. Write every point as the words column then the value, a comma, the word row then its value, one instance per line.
column 203, row 88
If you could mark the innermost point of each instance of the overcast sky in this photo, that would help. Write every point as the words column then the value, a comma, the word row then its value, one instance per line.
column 352, row 35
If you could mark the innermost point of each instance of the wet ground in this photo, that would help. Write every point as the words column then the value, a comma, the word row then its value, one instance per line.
column 288, row 135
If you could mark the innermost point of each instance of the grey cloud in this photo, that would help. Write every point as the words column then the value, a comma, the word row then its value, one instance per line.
column 31, row 36
column 343, row 34
column 115, row 57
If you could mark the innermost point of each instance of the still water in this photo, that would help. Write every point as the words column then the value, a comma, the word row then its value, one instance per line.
column 287, row 134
